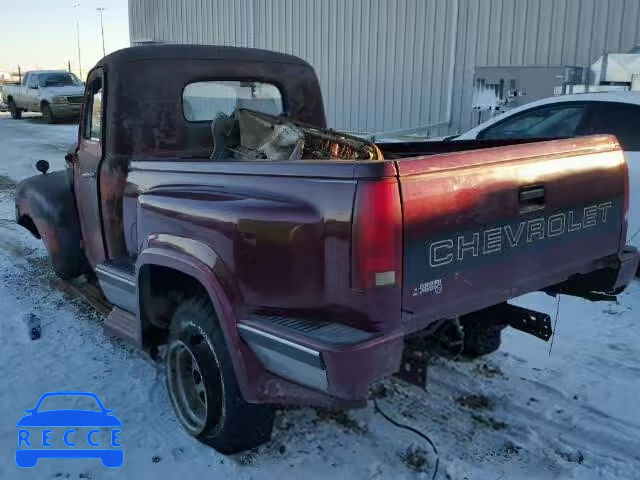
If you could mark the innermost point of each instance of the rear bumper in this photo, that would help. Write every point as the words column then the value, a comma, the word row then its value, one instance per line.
column 618, row 272
column 629, row 261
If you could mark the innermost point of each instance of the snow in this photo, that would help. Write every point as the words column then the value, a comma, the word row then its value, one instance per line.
column 519, row 413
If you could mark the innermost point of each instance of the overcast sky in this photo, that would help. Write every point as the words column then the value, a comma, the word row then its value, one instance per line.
column 42, row 33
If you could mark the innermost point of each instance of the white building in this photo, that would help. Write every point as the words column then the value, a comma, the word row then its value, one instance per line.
column 395, row 64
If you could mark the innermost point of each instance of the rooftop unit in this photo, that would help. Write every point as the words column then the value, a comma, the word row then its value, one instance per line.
column 615, row 68
column 610, row 72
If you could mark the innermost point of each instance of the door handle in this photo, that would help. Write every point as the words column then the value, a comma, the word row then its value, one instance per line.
column 88, row 175
column 531, row 198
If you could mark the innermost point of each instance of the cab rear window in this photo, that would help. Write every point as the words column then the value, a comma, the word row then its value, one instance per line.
column 204, row 101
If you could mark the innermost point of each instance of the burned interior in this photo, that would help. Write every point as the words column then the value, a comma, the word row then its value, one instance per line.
column 250, row 135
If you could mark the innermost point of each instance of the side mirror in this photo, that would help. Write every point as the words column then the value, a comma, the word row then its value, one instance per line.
column 42, row 166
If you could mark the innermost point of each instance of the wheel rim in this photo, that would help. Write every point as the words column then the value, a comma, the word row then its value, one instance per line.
column 186, row 386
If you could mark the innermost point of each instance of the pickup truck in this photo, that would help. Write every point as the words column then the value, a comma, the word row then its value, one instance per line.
column 56, row 94
column 270, row 261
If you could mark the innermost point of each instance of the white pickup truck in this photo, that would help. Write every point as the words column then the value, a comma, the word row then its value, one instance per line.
column 55, row 93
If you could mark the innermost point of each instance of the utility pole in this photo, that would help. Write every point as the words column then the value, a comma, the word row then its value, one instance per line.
column 101, row 10
column 77, row 5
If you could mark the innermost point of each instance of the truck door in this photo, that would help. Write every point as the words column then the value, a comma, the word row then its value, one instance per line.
column 86, row 168
column 31, row 94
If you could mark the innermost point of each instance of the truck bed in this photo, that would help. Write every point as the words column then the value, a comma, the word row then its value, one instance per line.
column 374, row 249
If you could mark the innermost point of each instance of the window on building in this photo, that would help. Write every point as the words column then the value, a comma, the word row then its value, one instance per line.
column 547, row 122
column 203, row 101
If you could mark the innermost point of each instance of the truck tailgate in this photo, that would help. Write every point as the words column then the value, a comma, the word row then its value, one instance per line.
column 483, row 226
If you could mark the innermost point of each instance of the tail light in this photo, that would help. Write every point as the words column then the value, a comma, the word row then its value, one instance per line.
column 626, row 190
column 376, row 254
column 625, row 172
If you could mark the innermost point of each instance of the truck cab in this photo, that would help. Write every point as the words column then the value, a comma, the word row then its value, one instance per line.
column 269, row 261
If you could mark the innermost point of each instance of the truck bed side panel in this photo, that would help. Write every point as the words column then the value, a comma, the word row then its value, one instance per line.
column 283, row 231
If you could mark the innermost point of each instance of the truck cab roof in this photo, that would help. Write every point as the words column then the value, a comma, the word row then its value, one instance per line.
column 197, row 52
column 145, row 115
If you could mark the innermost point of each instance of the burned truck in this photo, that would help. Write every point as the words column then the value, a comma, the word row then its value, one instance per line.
column 270, row 261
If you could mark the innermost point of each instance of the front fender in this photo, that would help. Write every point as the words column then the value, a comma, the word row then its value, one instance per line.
column 45, row 205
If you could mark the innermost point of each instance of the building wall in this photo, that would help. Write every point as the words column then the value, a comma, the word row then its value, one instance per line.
column 392, row 64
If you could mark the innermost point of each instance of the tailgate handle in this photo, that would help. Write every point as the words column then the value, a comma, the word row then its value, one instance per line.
column 531, row 198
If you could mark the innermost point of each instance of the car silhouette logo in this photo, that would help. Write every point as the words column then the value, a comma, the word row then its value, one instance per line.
column 30, row 438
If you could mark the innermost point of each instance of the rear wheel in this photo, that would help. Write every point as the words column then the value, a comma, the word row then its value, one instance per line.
column 16, row 113
column 47, row 114
column 202, row 383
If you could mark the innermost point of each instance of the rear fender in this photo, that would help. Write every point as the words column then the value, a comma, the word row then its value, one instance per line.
column 45, row 206
column 200, row 262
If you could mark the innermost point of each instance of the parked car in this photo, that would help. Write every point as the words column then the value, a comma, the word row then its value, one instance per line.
column 272, row 261
column 56, row 94
column 616, row 113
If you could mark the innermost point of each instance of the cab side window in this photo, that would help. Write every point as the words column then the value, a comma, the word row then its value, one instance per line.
column 621, row 120
column 547, row 122
column 92, row 128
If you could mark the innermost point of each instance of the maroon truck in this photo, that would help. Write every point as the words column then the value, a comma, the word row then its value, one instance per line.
column 270, row 261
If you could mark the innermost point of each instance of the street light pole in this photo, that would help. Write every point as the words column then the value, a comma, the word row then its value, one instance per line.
column 101, row 10
column 78, row 35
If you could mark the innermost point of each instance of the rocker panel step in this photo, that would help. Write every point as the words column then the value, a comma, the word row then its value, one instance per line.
column 117, row 280
column 275, row 341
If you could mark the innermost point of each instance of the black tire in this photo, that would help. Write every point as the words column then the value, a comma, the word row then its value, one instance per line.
column 47, row 114
column 201, row 381
column 16, row 113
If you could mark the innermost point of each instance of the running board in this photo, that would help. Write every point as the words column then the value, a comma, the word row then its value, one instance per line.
column 117, row 280
column 278, row 342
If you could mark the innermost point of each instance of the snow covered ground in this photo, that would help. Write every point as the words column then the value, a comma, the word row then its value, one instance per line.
column 519, row 413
